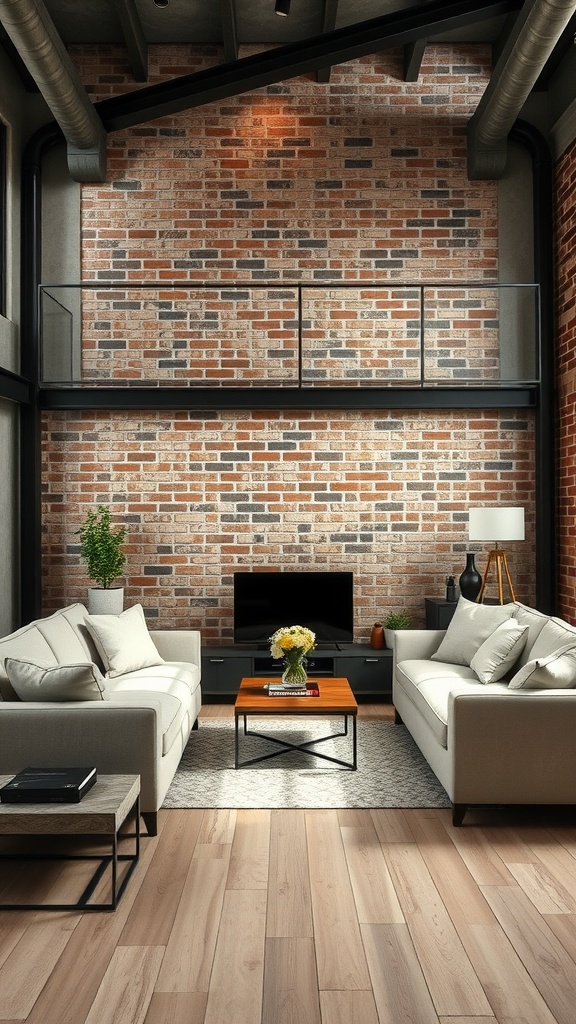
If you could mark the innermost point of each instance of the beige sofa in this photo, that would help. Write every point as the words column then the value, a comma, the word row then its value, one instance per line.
column 135, row 722
column 495, row 727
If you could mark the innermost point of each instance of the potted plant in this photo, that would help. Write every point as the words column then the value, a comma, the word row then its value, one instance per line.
column 395, row 620
column 101, row 550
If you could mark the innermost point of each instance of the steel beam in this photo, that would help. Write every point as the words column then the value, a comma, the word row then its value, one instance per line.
column 413, row 54
column 14, row 388
column 134, row 38
column 229, row 34
column 198, row 398
column 329, row 24
column 398, row 28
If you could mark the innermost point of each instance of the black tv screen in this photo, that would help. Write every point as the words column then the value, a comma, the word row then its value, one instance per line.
column 265, row 601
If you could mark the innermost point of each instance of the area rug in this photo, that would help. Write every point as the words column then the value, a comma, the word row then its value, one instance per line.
column 391, row 770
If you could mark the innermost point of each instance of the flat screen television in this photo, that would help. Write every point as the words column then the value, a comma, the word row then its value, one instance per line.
column 265, row 601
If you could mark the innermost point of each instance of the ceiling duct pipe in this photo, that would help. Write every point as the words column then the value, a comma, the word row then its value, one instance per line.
column 32, row 32
column 538, row 28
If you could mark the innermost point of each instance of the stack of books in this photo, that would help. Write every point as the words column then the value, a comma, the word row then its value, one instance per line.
column 279, row 689
column 48, row 785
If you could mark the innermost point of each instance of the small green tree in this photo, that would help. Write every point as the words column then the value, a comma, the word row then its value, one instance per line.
column 100, row 547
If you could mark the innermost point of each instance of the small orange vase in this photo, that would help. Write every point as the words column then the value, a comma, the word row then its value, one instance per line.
column 377, row 636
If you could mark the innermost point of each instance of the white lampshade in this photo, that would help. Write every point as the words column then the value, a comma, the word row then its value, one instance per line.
column 496, row 523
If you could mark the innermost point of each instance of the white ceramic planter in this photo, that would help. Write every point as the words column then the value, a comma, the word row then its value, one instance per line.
column 105, row 601
column 389, row 638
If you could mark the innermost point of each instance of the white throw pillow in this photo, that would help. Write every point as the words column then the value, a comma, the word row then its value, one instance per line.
column 83, row 681
column 123, row 641
column 470, row 626
column 557, row 671
column 499, row 652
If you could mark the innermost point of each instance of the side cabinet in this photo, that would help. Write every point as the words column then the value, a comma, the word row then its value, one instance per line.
column 369, row 672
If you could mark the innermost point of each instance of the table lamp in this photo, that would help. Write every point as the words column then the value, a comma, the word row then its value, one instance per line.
column 496, row 524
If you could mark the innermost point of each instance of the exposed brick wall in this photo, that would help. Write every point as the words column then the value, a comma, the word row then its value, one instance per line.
column 359, row 180
column 566, row 290
column 383, row 494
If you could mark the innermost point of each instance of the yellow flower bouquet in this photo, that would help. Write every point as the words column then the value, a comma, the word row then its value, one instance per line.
column 292, row 644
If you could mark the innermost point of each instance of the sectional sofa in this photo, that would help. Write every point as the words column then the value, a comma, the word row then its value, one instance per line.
column 491, row 703
column 100, row 690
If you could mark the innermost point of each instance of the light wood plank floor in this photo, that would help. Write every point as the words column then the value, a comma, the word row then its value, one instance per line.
column 309, row 917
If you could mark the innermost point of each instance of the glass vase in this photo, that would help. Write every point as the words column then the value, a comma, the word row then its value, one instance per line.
column 295, row 674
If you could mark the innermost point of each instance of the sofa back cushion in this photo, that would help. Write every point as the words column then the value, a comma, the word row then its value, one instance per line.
column 470, row 626
column 535, row 621
column 57, row 639
column 555, row 636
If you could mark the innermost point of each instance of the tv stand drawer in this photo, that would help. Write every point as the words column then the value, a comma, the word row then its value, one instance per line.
column 269, row 666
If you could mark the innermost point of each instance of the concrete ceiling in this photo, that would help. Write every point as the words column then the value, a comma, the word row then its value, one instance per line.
column 230, row 24
column 204, row 21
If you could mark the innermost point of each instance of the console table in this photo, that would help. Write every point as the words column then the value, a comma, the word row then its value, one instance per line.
column 368, row 671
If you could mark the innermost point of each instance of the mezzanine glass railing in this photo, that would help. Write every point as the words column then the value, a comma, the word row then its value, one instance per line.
column 301, row 335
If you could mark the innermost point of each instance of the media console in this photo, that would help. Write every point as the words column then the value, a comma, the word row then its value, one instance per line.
column 368, row 671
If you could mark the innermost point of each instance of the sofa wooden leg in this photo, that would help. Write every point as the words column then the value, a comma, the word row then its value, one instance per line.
column 195, row 726
column 397, row 719
column 150, row 819
column 458, row 812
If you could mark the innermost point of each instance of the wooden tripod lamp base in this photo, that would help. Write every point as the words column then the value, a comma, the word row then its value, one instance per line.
column 497, row 560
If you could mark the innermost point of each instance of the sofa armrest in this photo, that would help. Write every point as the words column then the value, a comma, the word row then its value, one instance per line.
column 517, row 747
column 416, row 644
column 115, row 738
column 178, row 645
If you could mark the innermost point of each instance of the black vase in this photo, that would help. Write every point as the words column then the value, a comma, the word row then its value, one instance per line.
column 470, row 580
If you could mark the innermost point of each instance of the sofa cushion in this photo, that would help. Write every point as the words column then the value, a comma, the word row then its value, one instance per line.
column 499, row 652
column 535, row 621
column 123, row 641
column 179, row 679
column 61, row 637
column 470, row 626
column 65, row 632
column 172, row 679
column 173, row 712
column 428, row 684
column 555, row 635
column 556, row 671
column 82, row 681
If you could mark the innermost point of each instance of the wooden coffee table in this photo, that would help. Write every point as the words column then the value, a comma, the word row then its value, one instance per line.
column 335, row 698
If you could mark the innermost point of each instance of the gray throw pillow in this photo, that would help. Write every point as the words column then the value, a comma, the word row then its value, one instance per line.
column 471, row 625
column 83, row 681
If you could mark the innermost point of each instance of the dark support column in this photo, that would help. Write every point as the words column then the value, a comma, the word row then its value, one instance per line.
column 30, row 441
column 546, row 499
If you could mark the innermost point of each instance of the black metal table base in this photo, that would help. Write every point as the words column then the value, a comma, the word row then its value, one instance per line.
column 285, row 744
column 105, row 861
